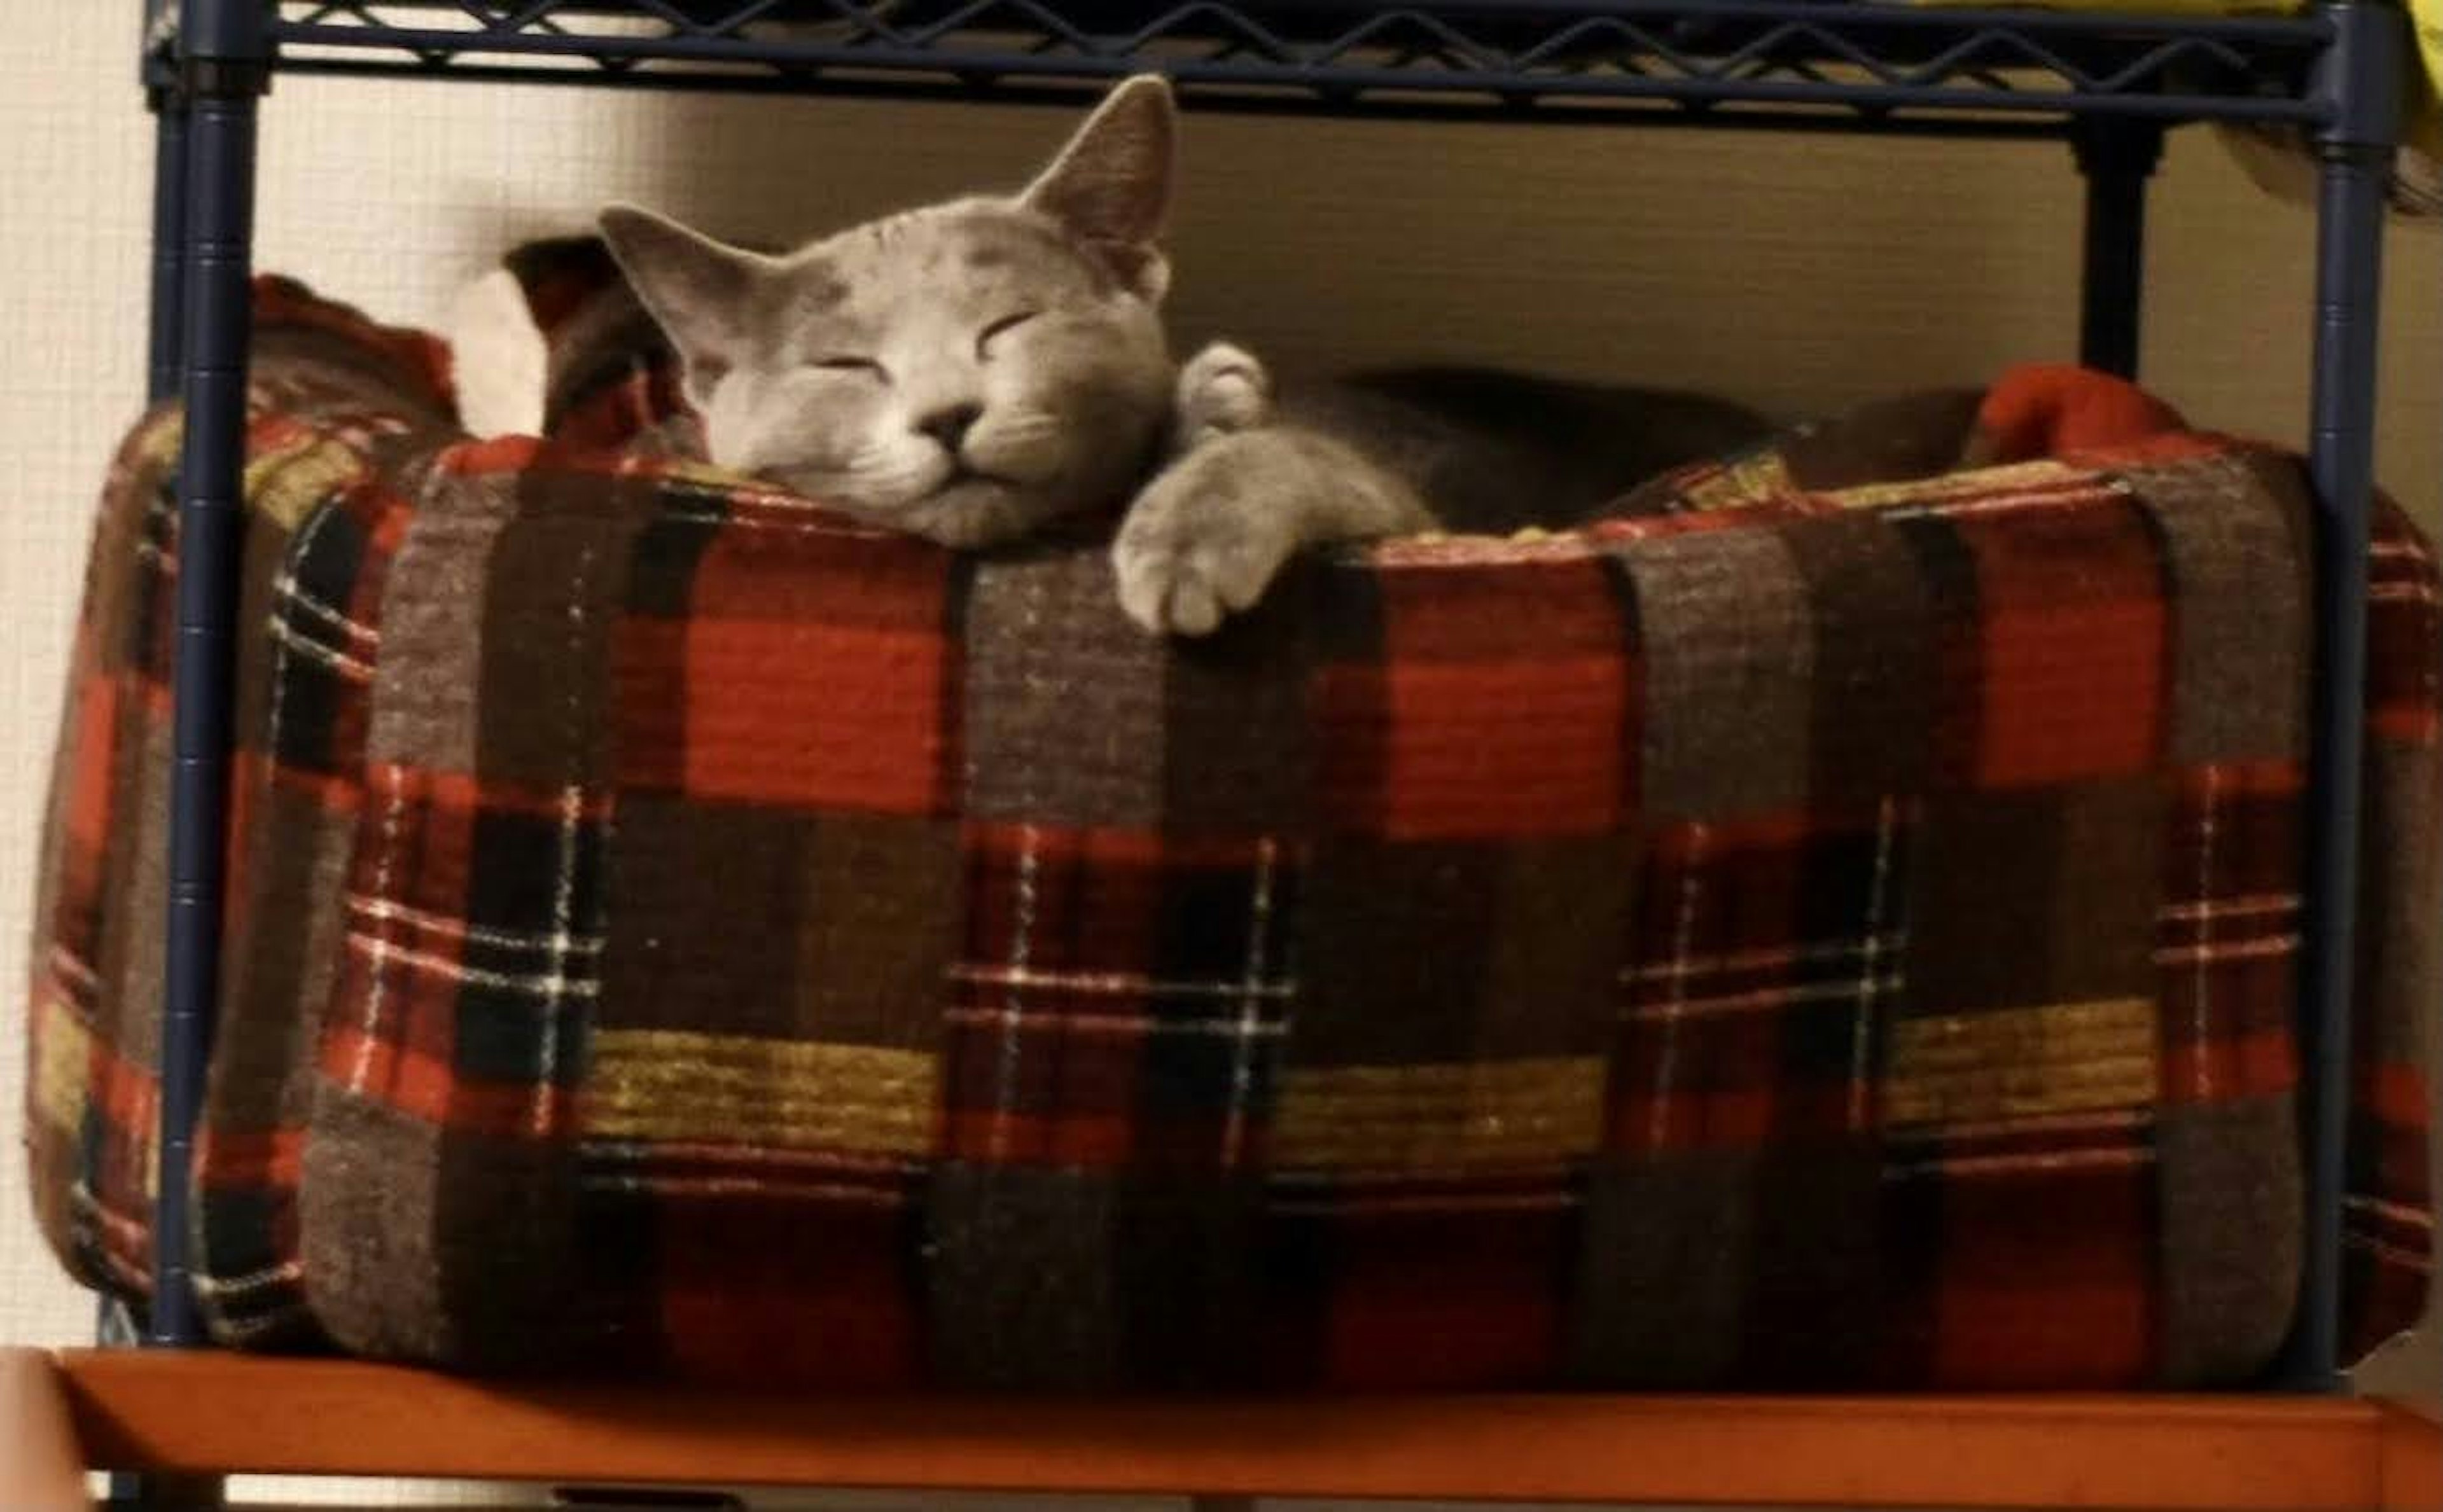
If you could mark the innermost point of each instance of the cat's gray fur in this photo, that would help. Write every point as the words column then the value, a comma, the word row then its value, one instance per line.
column 974, row 371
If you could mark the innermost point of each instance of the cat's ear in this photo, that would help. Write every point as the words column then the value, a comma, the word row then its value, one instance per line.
column 700, row 291
column 1111, row 184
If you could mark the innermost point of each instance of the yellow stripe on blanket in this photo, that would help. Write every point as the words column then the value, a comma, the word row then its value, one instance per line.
column 62, row 1072
column 1438, row 1118
column 670, row 1085
column 2021, row 1063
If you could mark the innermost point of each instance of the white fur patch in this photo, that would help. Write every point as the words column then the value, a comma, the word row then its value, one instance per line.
column 501, row 360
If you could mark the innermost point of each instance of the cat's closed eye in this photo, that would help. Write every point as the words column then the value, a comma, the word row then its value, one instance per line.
column 1006, row 323
column 846, row 364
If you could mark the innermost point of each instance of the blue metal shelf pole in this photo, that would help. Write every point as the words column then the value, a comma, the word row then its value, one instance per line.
column 158, row 75
column 2362, row 83
column 224, row 60
column 2117, row 157
column 168, row 103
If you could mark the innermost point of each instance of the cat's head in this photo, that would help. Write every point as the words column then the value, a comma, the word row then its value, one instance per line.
column 963, row 371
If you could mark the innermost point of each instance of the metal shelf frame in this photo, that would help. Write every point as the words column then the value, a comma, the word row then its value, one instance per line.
column 2336, row 73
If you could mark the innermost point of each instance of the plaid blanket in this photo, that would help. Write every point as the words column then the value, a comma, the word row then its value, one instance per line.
column 1844, row 939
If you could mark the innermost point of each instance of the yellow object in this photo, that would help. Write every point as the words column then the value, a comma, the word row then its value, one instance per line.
column 2426, row 117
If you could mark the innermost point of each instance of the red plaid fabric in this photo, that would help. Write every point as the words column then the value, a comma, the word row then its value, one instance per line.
column 610, row 379
column 1845, row 939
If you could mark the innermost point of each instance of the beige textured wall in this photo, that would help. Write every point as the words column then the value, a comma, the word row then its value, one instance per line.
column 1795, row 272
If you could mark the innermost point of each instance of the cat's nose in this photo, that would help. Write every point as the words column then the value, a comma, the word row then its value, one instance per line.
column 949, row 426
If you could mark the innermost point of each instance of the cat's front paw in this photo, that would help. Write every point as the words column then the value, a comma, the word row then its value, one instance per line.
column 1222, row 390
column 1193, row 552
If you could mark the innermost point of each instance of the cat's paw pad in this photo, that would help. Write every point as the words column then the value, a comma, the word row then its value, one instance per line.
column 1191, row 554
column 1222, row 390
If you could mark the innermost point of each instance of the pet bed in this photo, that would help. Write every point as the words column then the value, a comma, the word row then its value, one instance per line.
column 1811, row 935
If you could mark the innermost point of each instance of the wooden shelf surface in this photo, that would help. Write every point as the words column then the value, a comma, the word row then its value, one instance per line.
column 214, row 1413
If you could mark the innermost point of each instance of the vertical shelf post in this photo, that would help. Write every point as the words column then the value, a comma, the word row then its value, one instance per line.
column 2117, row 158
column 157, row 74
column 168, row 103
column 223, row 59
column 2362, row 82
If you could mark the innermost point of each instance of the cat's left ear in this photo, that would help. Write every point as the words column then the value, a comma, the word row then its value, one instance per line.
column 702, row 293
column 1110, row 186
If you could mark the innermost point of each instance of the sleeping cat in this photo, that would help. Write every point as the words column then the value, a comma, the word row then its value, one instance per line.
column 974, row 371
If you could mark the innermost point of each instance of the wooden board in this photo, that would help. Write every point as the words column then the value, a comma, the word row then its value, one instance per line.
column 214, row 1413
column 39, row 1469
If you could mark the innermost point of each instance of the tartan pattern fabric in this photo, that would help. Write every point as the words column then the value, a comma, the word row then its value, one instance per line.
column 610, row 376
column 1840, row 938
column 340, row 409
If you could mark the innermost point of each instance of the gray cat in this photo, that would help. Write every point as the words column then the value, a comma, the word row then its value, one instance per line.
column 974, row 371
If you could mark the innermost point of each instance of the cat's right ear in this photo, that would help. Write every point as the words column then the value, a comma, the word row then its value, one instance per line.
column 700, row 291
